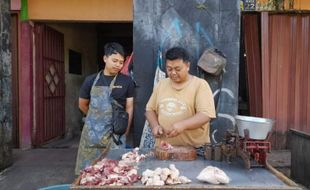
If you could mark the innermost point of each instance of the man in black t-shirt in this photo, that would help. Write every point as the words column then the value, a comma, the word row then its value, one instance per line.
column 123, row 91
column 95, row 103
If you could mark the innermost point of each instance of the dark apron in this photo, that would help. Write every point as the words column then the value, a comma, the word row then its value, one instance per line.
column 96, row 134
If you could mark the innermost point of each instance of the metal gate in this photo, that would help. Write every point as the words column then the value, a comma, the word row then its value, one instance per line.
column 49, row 84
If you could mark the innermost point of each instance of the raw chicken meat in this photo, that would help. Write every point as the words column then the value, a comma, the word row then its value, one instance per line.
column 163, row 176
column 165, row 146
column 109, row 172
column 213, row 175
column 113, row 172
column 132, row 157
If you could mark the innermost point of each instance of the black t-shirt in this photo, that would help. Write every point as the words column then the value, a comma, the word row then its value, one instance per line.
column 125, row 87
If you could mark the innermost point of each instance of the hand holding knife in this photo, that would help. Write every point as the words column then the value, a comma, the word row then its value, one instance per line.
column 158, row 131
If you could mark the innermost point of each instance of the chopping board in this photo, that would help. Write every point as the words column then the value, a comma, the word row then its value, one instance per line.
column 176, row 153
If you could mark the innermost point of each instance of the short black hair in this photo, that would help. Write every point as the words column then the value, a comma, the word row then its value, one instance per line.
column 177, row 53
column 113, row 48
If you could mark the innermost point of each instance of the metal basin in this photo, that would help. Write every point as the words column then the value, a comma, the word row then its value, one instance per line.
column 258, row 127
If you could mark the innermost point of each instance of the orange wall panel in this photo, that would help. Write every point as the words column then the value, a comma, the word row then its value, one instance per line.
column 298, row 4
column 302, row 4
column 81, row 10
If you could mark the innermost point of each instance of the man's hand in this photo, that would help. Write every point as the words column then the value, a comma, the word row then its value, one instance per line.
column 127, row 132
column 157, row 131
column 194, row 122
column 84, row 105
column 176, row 129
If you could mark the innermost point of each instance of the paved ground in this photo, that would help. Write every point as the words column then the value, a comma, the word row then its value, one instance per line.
column 281, row 160
column 53, row 164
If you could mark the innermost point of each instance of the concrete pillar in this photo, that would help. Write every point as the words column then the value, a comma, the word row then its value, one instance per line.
column 25, row 85
column 5, row 87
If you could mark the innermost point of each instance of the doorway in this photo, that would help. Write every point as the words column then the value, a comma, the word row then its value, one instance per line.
column 86, row 41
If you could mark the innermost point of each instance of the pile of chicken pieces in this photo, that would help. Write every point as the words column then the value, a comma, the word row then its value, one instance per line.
column 163, row 176
column 113, row 172
column 132, row 157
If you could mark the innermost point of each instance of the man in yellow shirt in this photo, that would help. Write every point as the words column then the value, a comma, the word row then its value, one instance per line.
column 181, row 106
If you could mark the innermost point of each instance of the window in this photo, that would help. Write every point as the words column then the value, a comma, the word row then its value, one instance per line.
column 75, row 62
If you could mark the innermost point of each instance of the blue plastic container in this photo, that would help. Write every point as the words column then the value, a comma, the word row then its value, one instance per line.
column 57, row 187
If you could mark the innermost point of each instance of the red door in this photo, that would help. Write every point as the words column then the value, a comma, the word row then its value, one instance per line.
column 49, row 84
